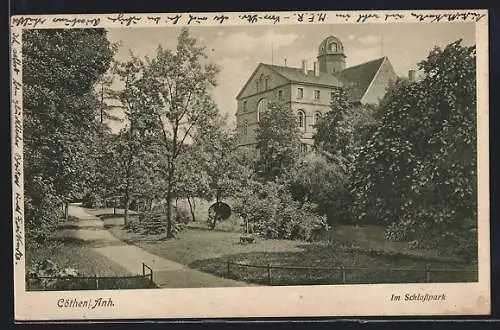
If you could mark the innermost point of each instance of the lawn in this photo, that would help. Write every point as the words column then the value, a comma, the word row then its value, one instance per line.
column 363, row 252
column 74, row 254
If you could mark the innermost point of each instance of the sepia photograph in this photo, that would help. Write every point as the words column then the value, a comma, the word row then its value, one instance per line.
column 249, row 156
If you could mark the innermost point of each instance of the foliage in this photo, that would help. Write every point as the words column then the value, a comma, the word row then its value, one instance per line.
column 48, row 268
column 340, row 134
column 278, row 141
column 417, row 173
column 60, row 68
column 172, row 91
column 317, row 179
column 271, row 212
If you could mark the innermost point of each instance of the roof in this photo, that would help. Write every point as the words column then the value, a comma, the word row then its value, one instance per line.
column 359, row 77
column 324, row 46
column 297, row 75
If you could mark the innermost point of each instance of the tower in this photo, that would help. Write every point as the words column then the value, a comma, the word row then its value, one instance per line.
column 331, row 57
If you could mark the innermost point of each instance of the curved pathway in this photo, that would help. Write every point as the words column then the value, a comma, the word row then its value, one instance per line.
column 166, row 273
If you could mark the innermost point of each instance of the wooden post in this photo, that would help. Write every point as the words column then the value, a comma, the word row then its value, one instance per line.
column 151, row 275
column 428, row 271
column 269, row 274
column 96, row 282
column 143, row 270
column 114, row 206
column 228, row 265
column 342, row 274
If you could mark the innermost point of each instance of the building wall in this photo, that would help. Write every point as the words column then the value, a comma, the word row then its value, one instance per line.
column 379, row 85
column 250, row 118
column 309, row 105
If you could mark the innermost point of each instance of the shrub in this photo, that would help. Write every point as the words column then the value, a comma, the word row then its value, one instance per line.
column 47, row 268
column 92, row 200
column 272, row 213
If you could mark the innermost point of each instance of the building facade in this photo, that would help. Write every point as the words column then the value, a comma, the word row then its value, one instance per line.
column 308, row 93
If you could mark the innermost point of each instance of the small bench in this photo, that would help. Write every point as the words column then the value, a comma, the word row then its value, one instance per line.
column 247, row 239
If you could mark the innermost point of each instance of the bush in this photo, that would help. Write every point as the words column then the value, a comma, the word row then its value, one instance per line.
column 92, row 200
column 272, row 213
column 47, row 268
column 154, row 222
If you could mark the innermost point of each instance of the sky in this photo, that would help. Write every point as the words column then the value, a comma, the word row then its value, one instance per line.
column 239, row 49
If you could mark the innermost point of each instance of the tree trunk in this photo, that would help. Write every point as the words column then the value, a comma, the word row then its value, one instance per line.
column 66, row 209
column 125, row 212
column 170, row 180
column 192, row 208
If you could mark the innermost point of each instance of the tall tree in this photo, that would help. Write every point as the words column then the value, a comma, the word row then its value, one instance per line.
column 417, row 173
column 174, row 88
column 278, row 141
column 60, row 69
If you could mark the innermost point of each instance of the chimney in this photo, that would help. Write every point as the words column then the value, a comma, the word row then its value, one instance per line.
column 316, row 69
column 411, row 75
column 304, row 66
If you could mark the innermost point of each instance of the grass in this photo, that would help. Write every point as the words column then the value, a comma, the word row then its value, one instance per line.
column 351, row 247
column 74, row 254
column 109, row 283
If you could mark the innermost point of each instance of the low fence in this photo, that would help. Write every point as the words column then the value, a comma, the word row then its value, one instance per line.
column 57, row 283
column 303, row 275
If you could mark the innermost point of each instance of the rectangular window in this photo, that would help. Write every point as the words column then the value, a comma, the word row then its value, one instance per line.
column 316, row 94
column 280, row 95
column 332, row 95
column 300, row 93
column 244, row 105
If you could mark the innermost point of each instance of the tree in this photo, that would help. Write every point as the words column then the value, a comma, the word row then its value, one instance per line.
column 278, row 141
column 417, row 174
column 318, row 180
column 173, row 88
column 192, row 180
column 60, row 69
column 339, row 137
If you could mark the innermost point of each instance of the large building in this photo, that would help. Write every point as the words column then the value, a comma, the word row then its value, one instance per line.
column 308, row 92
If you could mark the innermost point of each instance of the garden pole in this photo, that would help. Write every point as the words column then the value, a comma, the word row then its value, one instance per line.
column 269, row 274
column 342, row 273
column 96, row 282
column 228, row 265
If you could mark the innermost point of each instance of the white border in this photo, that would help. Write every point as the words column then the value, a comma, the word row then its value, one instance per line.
column 335, row 300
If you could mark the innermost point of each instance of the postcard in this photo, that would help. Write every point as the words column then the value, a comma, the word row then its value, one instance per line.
column 250, row 164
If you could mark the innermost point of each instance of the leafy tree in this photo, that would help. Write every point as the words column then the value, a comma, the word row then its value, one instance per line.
column 339, row 136
column 60, row 69
column 278, row 141
column 417, row 174
column 192, row 179
column 173, row 89
column 321, row 181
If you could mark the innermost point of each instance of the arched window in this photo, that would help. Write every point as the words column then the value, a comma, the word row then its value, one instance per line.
column 301, row 119
column 333, row 47
column 316, row 118
column 261, row 108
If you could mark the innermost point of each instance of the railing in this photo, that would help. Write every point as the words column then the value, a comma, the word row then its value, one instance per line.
column 144, row 267
column 347, row 275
